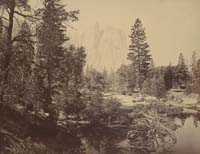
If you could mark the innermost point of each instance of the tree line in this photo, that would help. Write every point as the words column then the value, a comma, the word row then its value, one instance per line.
column 43, row 72
column 141, row 74
column 40, row 68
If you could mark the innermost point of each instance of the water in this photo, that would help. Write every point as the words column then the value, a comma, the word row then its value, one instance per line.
column 115, row 142
column 188, row 137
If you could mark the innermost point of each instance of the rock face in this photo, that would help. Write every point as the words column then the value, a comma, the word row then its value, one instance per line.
column 106, row 47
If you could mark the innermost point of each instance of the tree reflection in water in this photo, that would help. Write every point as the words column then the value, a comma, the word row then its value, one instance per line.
column 152, row 132
column 102, row 140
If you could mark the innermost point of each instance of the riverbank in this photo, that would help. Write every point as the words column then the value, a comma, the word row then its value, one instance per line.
column 188, row 103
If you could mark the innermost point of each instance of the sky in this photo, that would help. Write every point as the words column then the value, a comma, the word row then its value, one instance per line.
column 172, row 26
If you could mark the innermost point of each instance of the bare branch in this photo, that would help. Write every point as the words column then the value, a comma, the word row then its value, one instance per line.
column 4, row 26
column 18, row 23
column 8, row 11
column 20, row 37
column 29, row 17
column 5, row 18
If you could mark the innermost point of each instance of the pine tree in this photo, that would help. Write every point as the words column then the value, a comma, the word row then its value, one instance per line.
column 196, row 85
column 73, row 67
column 122, row 73
column 131, row 78
column 193, row 65
column 15, row 9
column 21, row 71
column 182, row 74
column 168, row 77
column 55, row 62
column 139, row 53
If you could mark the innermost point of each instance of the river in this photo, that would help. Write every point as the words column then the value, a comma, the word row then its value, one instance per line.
column 188, row 137
column 115, row 142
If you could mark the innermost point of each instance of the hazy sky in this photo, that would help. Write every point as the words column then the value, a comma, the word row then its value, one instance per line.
column 172, row 26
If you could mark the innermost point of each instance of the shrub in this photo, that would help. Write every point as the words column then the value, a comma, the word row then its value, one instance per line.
column 154, row 86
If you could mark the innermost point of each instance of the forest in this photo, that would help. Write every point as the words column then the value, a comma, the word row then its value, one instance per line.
column 53, row 102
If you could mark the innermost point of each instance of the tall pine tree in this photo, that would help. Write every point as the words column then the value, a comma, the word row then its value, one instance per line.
column 15, row 9
column 51, row 54
column 139, row 53
column 21, row 70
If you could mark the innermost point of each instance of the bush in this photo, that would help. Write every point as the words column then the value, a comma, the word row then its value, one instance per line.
column 112, row 110
column 154, row 86
column 188, row 89
column 53, row 112
column 11, row 144
column 103, row 111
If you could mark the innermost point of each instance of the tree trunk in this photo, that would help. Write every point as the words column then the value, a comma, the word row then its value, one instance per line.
column 8, row 54
column 109, row 120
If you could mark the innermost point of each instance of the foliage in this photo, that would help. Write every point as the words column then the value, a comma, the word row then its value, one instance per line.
column 51, row 52
column 21, row 69
column 150, row 133
column 131, row 78
column 15, row 9
column 112, row 110
column 100, row 110
column 169, row 77
column 14, row 145
column 95, row 81
column 139, row 53
column 123, row 78
column 196, row 78
column 181, row 73
column 126, row 78
column 94, row 110
column 60, row 68
column 154, row 86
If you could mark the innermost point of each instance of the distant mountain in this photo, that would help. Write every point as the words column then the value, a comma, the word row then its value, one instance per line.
column 106, row 47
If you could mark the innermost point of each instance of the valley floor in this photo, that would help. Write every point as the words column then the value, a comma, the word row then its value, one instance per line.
column 189, row 103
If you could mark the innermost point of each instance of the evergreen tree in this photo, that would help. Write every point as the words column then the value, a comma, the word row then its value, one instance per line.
column 78, row 63
column 123, row 78
column 168, row 77
column 112, row 80
column 51, row 52
column 131, row 78
column 15, row 9
column 139, row 53
column 73, row 68
column 182, row 74
column 155, row 86
column 193, row 65
column 196, row 85
column 21, row 74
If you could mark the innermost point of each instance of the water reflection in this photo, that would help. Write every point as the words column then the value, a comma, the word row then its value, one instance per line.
column 152, row 133
column 102, row 140
column 188, row 137
column 175, row 136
